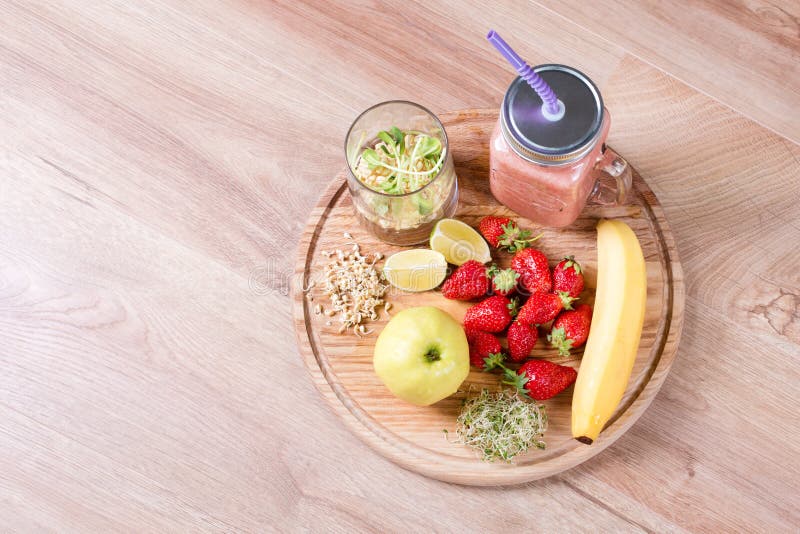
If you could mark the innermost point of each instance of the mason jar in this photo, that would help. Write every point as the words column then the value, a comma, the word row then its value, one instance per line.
column 548, row 170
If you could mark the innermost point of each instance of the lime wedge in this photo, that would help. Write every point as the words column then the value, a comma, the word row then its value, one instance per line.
column 417, row 269
column 459, row 242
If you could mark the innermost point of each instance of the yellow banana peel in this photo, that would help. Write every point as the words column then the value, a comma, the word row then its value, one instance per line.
column 615, row 332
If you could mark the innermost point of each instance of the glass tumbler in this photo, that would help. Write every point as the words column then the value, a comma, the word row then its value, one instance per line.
column 400, row 219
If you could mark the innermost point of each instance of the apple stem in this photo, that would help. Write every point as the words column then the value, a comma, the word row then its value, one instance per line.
column 432, row 355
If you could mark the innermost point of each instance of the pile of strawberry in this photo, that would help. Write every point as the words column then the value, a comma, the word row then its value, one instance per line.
column 546, row 299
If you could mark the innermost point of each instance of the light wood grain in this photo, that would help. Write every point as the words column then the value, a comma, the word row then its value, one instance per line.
column 151, row 199
column 757, row 42
column 341, row 363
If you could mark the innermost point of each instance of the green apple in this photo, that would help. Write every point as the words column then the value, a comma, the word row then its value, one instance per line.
column 422, row 355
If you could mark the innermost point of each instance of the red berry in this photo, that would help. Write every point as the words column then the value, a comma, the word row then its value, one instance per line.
column 490, row 315
column 502, row 232
column 484, row 349
column 541, row 308
column 534, row 272
column 521, row 340
column 504, row 281
column 568, row 277
column 571, row 329
column 540, row 379
column 467, row 282
column 470, row 332
column 491, row 228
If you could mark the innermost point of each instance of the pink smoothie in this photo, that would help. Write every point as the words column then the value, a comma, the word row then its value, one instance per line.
column 550, row 195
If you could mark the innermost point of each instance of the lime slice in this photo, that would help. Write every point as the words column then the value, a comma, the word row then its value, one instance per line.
column 417, row 269
column 459, row 242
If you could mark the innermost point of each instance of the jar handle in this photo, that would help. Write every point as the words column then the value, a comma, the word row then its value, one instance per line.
column 614, row 179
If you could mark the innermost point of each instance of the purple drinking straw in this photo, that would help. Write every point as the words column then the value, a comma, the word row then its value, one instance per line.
column 526, row 72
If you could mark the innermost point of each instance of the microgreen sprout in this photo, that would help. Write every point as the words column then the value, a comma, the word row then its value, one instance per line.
column 402, row 162
column 501, row 425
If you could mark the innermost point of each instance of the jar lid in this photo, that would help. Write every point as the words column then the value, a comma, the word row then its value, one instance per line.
column 533, row 136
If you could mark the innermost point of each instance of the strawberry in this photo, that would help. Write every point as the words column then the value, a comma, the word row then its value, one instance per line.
column 504, row 281
column 571, row 329
column 485, row 350
column 502, row 232
column 541, row 308
column 521, row 339
column 470, row 332
column 491, row 228
column 568, row 277
column 490, row 315
column 534, row 273
column 467, row 282
column 540, row 379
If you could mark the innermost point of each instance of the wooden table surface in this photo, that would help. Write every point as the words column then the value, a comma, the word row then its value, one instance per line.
column 159, row 160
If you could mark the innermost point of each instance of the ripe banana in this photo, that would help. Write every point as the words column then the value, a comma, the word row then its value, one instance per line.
column 616, row 328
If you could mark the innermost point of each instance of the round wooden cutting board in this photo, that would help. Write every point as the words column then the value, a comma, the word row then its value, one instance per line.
column 341, row 364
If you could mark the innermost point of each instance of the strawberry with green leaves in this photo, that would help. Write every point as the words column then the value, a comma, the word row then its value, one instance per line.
column 502, row 232
column 492, row 229
column 540, row 379
column 469, row 281
column 521, row 340
column 571, row 329
column 568, row 277
column 490, row 315
column 503, row 281
column 485, row 351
